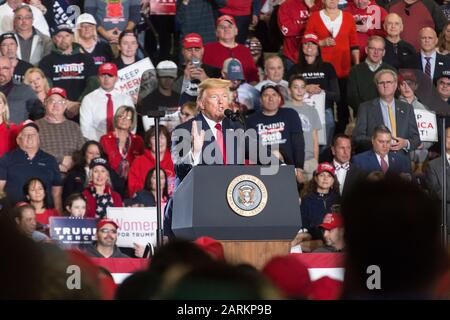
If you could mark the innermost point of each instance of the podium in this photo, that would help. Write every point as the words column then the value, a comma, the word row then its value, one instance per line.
column 255, row 216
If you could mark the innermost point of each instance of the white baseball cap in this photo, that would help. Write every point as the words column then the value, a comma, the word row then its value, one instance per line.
column 85, row 18
column 167, row 68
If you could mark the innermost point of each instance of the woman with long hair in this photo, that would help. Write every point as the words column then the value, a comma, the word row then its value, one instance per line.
column 35, row 78
column 319, row 76
column 147, row 196
column 143, row 164
column 99, row 192
column 78, row 177
column 336, row 32
column 122, row 146
column 443, row 46
column 318, row 196
column 7, row 129
column 35, row 195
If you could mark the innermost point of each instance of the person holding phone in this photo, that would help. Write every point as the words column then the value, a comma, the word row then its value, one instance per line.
column 193, row 71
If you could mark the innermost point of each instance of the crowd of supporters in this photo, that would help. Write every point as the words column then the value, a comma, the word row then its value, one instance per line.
column 336, row 85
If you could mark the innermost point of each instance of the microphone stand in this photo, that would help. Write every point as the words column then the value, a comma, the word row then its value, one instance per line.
column 157, row 114
column 444, row 233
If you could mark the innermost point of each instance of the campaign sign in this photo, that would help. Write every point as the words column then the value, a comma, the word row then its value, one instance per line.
column 137, row 78
column 69, row 230
column 426, row 123
column 318, row 102
column 136, row 225
column 166, row 7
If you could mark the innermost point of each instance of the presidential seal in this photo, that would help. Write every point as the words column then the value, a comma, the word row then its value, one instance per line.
column 247, row 195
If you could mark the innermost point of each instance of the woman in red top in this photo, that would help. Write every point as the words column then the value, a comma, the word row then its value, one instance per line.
column 142, row 164
column 99, row 193
column 121, row 145
column 7, row 129
column 34, row 191
column 339, row 46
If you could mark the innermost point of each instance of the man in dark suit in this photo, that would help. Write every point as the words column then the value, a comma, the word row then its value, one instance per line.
column 346, row 173
column 428, row 60
column 434, row 176
column 398, row 116
column 380, row 158
column 203, row 139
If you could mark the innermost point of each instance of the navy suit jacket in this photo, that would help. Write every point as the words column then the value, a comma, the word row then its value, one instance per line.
column 442, row 63
column 370, row 116
column 182, row 135
column 368, row 162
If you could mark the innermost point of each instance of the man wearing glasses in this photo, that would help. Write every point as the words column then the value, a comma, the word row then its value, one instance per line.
column 32, row 43
column 105, row 246
column 443, row 86
column 7, row 15
column 59, row 136
column 396, row 115
column 360, row 86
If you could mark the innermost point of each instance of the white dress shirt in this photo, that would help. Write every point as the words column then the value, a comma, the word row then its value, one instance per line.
column 93, row 111
column 7, row 17
column 432, row 62
column 332, row 25
column 341, row 174
column 386, row 158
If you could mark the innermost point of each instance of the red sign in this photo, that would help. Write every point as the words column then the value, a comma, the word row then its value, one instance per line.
column 163, row 7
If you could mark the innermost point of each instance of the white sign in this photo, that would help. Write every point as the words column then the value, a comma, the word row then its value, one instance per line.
column 426, row 123
column 137, row 79
column 318, row 102
column 136, row 225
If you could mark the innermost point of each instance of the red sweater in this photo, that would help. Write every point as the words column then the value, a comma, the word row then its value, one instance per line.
column 373, row 12
column 292, row 18
column 44, row 216
column 142, row 165
column 216, row 54
column 346, row 40
column 91, row 205
column 7, row 138
column 108, row 142
column 237, row 8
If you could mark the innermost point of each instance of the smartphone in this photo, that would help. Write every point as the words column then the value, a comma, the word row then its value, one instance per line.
column 196, row 62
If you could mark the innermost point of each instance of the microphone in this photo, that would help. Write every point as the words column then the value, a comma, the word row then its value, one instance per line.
column 233, row 116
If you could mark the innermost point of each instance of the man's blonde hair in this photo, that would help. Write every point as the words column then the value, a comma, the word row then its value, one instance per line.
column 213, row 83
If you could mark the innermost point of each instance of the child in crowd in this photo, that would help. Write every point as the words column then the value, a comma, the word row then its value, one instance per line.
column 75, row 206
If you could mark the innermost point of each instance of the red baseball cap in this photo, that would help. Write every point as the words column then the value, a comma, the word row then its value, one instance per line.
column 27, row 123
column 289, row 275
column 102, row 222
column 211, row 246
column 108, row 68
column 227, row 18
column 331, row 221
column 325, row 167
column 192, row 40
column 310, row 37
column 57, row 90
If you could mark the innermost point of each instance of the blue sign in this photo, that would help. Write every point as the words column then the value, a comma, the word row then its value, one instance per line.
column 68, row 230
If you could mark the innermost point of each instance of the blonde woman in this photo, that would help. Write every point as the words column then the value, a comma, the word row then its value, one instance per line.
column 35, row 78
column 86, row 36
column 8, row 130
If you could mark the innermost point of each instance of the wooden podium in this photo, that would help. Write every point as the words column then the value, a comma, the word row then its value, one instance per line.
column 255, row 216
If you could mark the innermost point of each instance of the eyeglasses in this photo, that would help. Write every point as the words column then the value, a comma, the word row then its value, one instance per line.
column 375, row 49
column 384, row 83
column 107, row 230
column 20, row 18
column 444, row 84
column 8, row 45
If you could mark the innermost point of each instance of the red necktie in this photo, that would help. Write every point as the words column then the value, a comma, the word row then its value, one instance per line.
column 109, row 114
column 384, row 165
column 221, row 142
column 428, row 67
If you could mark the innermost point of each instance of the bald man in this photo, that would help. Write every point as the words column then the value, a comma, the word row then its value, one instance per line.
column 428, row 60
